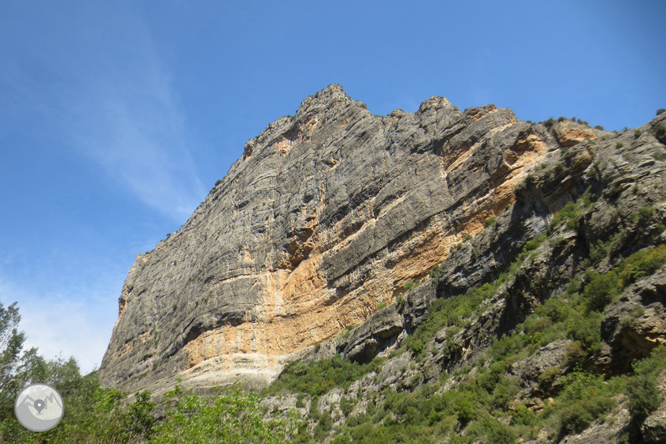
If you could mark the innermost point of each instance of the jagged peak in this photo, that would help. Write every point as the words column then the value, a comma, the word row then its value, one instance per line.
column 435, row 102
column 316, row 103
column 324, row 99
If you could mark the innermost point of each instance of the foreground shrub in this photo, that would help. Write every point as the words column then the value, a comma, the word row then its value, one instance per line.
column 234, row 417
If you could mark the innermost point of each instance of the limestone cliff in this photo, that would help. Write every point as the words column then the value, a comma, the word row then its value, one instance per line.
column 320, row 223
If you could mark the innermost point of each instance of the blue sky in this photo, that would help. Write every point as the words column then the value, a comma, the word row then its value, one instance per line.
column 117, row 117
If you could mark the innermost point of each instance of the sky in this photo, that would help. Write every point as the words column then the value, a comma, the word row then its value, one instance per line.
column 117, row 117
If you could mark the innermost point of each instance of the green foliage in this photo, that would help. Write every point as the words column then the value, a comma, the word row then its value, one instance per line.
column 464, row 407
column 646, row 212
column 601, row 290
column 467, row 411
column 16, row 367
column 641, row 264
column 534, row 243
column 230, row 418
column 323, row 426
column 619, row 145
column 642, row 391
column 548, row 123
column 584, row 398
column 659, row 131
column 496, row 432
column 644, row 396
column 521, row 415
column 449, row 313
column 92, row 414
column 637, row 133
column 491, row 221
column 661, row 111
column 346, row 405
column 319, row 377
column 416, row 346
column 408, row 285
column 570, row 215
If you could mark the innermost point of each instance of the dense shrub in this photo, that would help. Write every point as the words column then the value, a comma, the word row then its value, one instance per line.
column 319, row 377
column 601, row 290
column 644, row 396
column 489, row 222
column 229, row 418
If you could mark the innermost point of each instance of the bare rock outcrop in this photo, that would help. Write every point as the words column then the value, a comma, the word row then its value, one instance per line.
column 329, row 214
column 326, row 216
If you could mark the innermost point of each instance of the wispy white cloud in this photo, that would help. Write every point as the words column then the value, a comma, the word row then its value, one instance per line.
column 126, row 119
column 97, row 80
column 77, row 324
column 138, row 138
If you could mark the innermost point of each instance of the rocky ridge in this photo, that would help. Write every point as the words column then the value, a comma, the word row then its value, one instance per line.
column 337, row 232
column 543, row 248
column 325, row 217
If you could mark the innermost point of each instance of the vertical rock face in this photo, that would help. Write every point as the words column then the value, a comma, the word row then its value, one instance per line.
column 323, row 219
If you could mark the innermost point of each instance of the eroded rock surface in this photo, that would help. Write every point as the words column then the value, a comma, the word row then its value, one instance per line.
column 329, row 213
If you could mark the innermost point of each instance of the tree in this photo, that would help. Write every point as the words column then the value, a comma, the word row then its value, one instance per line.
column 12, row 363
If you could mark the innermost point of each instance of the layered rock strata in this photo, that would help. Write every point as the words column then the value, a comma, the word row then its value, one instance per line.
column 322, row 221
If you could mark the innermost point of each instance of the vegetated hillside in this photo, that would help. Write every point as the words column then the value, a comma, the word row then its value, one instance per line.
column 427, row 277
column 546, row 326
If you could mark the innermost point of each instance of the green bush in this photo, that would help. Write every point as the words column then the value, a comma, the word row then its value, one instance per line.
column 584, row 398
column 346, row 406
column 505, row 392
column 555, row 309
column 641, row 264
column 575, row 418
column 637, row 133
column 548, row 377
column 644, row 396
column 601, row 290
column 489, row 222
column 464, row 407
column 646, row 212
column 521, row 415
column 548, row 123
column 318, row 377
column 661, row 111
column 534, row 243
column 417, row 346
column 585, row 330
column 230, row 418
column 642, row 391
